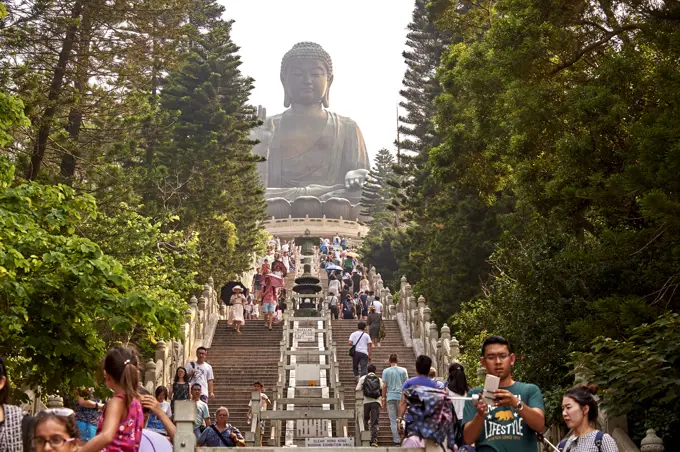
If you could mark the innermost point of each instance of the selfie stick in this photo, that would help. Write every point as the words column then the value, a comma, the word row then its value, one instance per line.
column 541, row 438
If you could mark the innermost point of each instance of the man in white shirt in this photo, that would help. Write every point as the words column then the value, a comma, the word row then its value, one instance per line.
column 372, row 388
column 200, row 372
column 362, row 351
column 378, row 305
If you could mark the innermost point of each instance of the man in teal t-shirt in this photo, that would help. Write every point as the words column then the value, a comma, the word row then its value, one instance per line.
column 511, row 424
column 393, row 380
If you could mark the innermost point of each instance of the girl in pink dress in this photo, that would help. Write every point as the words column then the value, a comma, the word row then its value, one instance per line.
column 120, row 425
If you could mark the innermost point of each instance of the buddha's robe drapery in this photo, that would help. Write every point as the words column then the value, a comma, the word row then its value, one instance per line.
column 316, row 171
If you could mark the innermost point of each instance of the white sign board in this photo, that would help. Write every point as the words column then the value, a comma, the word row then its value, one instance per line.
column 329, row 442
column 305, row 334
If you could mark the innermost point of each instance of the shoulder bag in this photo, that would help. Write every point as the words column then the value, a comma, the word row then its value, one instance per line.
column 353, row 348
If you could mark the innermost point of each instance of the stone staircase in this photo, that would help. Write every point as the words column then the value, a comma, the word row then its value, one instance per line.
column 238, row 361
column 392, row 343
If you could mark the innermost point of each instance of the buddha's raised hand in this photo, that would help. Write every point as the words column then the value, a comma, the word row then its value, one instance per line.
column 355, row 179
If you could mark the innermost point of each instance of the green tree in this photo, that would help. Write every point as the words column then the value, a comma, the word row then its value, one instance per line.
column 209, row 177
column 376, row 193
column 63, row 300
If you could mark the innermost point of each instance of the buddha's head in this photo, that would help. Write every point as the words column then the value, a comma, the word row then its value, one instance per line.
column 306, row 75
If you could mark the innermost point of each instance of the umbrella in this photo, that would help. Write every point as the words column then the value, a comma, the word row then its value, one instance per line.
column 333, row 267
column 228, row 290
column 275, row 281
column 351, row 254
column 152, row 441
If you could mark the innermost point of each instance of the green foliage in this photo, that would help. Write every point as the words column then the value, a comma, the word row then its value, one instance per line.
column 63, row 300
column 141, row 110
column 645, row 364
column 546, row 206
column 11, row 114
column 377, row 194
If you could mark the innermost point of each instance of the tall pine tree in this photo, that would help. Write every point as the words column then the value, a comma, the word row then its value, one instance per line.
column 376, row 194
column 208, row 173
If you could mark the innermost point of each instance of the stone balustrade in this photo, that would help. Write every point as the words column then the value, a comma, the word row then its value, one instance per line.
column 319, row 227
column 417, row 328
column 199, row 325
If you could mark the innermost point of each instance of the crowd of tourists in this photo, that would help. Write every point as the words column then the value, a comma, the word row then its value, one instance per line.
column 266, row 295
column 451, row 413
column 448, row 411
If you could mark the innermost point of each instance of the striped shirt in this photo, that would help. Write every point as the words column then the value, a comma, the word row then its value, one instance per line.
column 586, row 443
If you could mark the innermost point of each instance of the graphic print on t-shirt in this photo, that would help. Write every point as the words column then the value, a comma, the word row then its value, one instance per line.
column 503, row 423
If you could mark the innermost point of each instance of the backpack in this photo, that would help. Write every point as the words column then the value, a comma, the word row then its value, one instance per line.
column 598, row 442
column 347, row 306
column 332, row 302
column 371, row 387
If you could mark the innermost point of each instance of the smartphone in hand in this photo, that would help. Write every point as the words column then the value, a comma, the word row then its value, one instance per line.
column 490, row 385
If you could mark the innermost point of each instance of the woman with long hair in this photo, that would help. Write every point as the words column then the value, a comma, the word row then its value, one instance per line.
column 457, row 385
column 180, row 387
column 120, row 425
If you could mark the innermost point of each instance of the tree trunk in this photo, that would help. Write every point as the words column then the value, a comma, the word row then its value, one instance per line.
column 55, row 89
column 75, row 116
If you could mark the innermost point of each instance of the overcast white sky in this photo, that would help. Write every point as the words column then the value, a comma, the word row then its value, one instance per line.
column 365, row 38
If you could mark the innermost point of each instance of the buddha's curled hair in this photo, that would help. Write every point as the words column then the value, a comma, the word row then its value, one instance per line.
column 307, row 50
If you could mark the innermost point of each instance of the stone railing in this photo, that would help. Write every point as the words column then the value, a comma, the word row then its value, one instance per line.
column 198, row 329
column 418, row 330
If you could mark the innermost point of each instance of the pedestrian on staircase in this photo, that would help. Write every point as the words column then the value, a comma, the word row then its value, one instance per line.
column 180, row 387
column 372, row 388
column 264, row 403
column 364, row 286
column 201, row 373
column 334, row 285
column 202, row 413
column 238, row 300
column 362, row 349
column 221, row 433
column 423, row 365
column 394, row 378
column 356, row 281
column 268, row 302
column 348, row 309
column 374, row 323
column 333, row 305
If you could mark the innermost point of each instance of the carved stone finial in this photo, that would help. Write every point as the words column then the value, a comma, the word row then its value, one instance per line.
column 434, row 333
column 211, row 281
column 421, row 301
column 481, row 372
column 455, row 347
column 201, row 302
column 426, row 313
column 651, row 442
column 55, row 401
column 403, row 279
column 193, row 301
column 446, row 332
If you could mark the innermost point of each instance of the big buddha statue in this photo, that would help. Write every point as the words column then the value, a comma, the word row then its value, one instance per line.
column 310, row 150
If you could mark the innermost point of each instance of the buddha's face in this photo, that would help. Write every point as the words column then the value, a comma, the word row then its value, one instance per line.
column 306, row 81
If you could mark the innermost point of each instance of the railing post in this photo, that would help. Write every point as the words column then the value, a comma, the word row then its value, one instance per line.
column 184, row 416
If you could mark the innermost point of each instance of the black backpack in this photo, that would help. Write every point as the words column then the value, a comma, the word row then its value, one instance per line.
column 598, row 442
column 371, row 387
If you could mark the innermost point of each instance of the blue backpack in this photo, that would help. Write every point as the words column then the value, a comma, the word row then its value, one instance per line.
column 598, row 442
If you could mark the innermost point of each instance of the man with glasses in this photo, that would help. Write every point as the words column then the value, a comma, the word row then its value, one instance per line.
column 202, row 413
column 518, row 413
